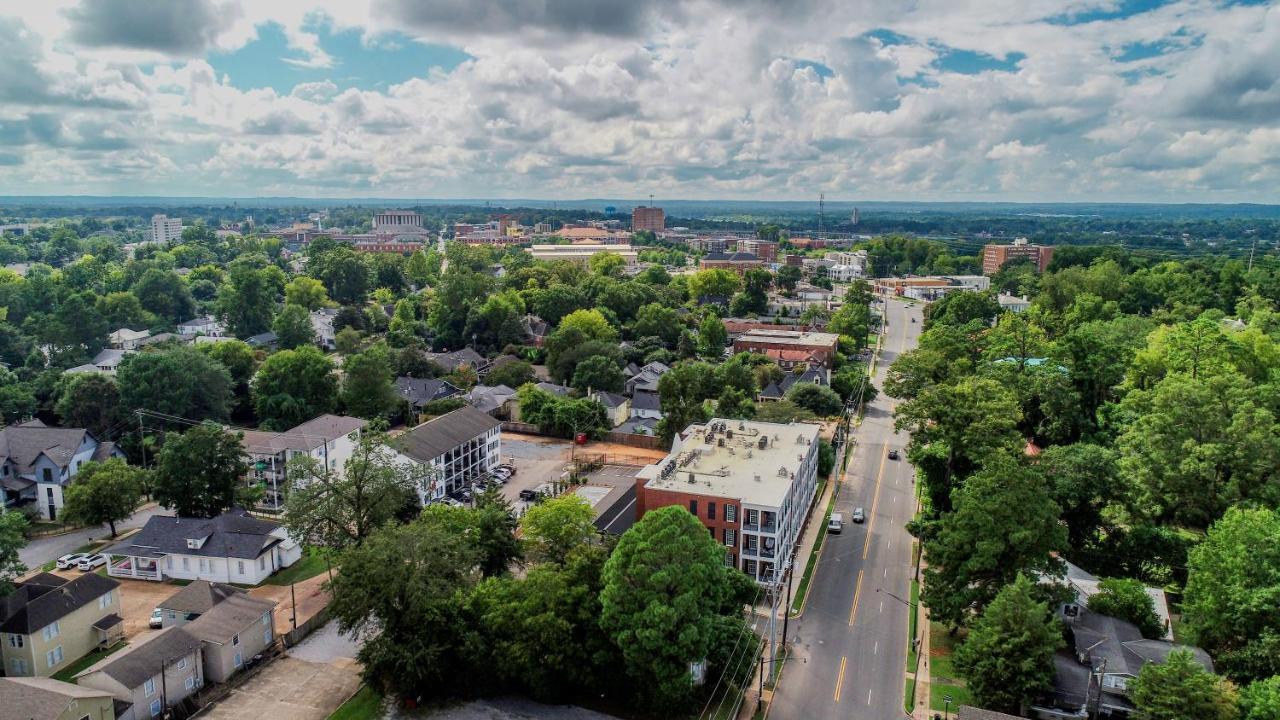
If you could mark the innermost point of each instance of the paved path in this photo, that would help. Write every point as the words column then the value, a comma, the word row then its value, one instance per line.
column 41, row 550
column 850, row 644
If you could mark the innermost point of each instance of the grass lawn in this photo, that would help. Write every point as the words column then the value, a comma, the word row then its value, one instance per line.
column 912, row 625
column 909, row 695
column 364, row 705
column 67, row 673
column 943, row 679
column 939, row 692
column 308, row 566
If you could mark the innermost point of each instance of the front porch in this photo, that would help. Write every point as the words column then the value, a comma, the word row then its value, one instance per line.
column 135, row 567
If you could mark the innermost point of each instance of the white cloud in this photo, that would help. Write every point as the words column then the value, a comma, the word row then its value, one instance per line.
column 1014, row 150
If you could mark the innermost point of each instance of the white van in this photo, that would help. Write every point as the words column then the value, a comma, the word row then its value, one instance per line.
column 836, row 524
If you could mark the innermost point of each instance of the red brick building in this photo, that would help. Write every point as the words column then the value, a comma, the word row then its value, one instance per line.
column 790, row 347
column 766, row 250
column 737, row 262
column 653, row 219
column 995, row 256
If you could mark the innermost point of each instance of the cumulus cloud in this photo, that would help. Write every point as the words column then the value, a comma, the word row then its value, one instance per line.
column 179, row 28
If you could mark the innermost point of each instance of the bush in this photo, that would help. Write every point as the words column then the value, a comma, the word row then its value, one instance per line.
column 1127, row 600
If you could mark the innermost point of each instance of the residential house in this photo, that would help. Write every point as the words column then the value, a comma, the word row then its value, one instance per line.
column 48, row 699
column 639, row 426
column 38, row 462
column 536, row 330
column 207, row 325
column 329, row 439
column 154, row 674
column 193, row 601
column 232, row 547
column 1013, row 303
column 322, row 324
column 646, row 379
column 460, row 447
column 126, row 339
column 451, row 361
column 265, row 341
column 779, row 390
column 553, row 388
column 617, row 407
column 233, row 632
column 418, row 392
column 493, row 400
column 48, row 622
column 646, row 405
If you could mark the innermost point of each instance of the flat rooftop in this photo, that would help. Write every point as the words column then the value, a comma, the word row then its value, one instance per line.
column 790, row 337
column 744, row 459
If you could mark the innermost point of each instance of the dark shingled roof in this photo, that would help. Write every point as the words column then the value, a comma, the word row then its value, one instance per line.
column 24, row 443
column 968, row 712
column 108, row 621
column 610, row 400
column 37, row 602
column 231, row 534
column 42, row 697
column 440, row 435
column 730, row 257
column 199, row 597
column 645, row 401
column 134, row 665
column 228, row 618
column 419, row 391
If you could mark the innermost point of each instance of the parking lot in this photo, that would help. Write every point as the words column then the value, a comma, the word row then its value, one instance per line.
column 537, row 460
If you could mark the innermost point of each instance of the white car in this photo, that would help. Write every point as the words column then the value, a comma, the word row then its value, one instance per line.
column 157, row 619
column 70, row 561
column 90, row 562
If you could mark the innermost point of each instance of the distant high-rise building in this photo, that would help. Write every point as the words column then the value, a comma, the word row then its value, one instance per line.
column 995, row 256
column 766, row 250
column 855, row 217
column 165, row 229
column 652, row 219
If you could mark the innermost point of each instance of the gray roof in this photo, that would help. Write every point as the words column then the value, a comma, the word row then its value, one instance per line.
column 645, row 401
column 46, row 597
column 420, row 391
column 486, row 398
column 610, row 400
column 199, row 597
column 732, row 257
column 261, row 339
column 41, row 698
column 228, row 618
column 451, row 360
column 25, row 443
column 968, row 712
column 552, row 388
column 232, row 534
column 134, row 665
column 307, row 436
column 109, row 357
column 638, row 426
column 440, row 435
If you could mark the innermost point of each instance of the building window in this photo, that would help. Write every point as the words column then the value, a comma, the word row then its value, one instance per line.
column 190, row 683
column 17, row 641
column 731, row 513
column 182, row 664
column 266, row 619
column 104, row 601
column 235, row 640
column 240, row 567
column 711, row 511
column 730, row 537
column 266, row 636
column 262, row 563
column 51, row 630
column 693, row 507
column 149, row 687
column 236, row 660
column 19, row 666
column 155, row 707
column 48, row 477
column 186, row 563
column 204, row 565
column 53, row 657
column 168, row 562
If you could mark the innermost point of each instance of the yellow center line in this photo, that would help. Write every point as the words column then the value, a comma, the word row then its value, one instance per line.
column 840, row 678
column 875, row 501
column 857, row 593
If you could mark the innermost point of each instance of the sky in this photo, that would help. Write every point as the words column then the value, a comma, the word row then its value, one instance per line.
column 1038, row 100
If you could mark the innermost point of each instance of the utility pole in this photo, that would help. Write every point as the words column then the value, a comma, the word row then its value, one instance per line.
column 294, row 597
column 787, row 610
column 1097, row 702
column 1251, row 249
column 142, row 439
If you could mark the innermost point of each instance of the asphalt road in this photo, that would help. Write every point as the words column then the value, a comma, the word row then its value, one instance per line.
column 849, row 654
column 41, row 550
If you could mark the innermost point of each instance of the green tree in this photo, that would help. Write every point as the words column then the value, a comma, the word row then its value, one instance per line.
column 598, row 373
column 163, row 293
column 293, row 386
column 345, row 274
column 494, row 529
column 340, row 508
column 1004, row 523
column 818, row 399
column 106, row 492
column 781, row 411
column 1128, row 600
column 712, row 337
column 1260, row 700
column 554, row 528
column 247, row 300
column 607, row 264
column 1007, row 658
column 733, row 403
column 13, row 529
column 788, row 277
column 293, row 327
column 178, row 381
column 122, row 309
column 512, row 374
column 90, row 401
column 496, row 322
column 367, row 385
column 960, row 308
column 681, row 392
column 460, row 289
column 853, row 319
column 347, row 340
column 418, row 270
column 307, row 293
column 1085, row 481
column 658, row 320
column 197, row 472
column 1180, row 689
column 665, row 586
column 713, row 283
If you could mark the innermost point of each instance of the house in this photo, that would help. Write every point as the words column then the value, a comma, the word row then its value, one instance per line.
column 48, row 699
column 646, row 405
column 779, row 390
column 968, row 712
column 161, row 338
column 193, row 601
column 48, row 622
column 553, row 388
column 126, row 339
column 108, row 360
column 37, row 462
column 460, row 447
column 451, row 361
column 1013, row 303
column 639, row 426
column 329, row 439
column 617, row 407
column 322, row 325
column 266, row 341
column 494, row 400
column 418, row 392
column 150, row 676
column 646, row 379
column 206, row 325
column 232, row 547
column 536, row 330
column 233, row 632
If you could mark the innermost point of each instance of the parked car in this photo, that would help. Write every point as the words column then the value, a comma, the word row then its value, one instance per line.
column 835, row 524
column 91, row 562
column 509, row 468
column 858, row 516
column 528, row 494
column 893, row 454
column 451, row 501
column 70, row 561
column 157, row 618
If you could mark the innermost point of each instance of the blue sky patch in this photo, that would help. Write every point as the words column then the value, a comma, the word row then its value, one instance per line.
column 823, row 71
column 888, row 37
column 968, row 62
column 1117, row 10
column 388, row 60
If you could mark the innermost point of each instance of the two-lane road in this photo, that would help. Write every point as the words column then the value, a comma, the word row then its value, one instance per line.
column 850, row 644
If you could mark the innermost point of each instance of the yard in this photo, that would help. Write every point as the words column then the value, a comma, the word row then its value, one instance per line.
column 944, row 682
column 69, row 672
column 364, row 705
column 311, row 564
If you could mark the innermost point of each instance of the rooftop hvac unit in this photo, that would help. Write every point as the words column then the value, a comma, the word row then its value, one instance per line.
column 720, row 442
column 692, row 479
column 764, row 441
column 728, row 434
column 757, row 476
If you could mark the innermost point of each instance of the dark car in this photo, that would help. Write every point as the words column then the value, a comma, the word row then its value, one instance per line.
column 528, row 495
column 893, row 454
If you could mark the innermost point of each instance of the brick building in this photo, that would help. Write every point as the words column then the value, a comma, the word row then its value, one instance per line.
column 652, row 219
column 790, row 347
column 738, row 262
column 995, row 256
column 766, row 250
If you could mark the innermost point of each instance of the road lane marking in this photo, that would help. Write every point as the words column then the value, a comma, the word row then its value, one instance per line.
column 840, row 678
column 876, row 649
column 868, row 696
column 857, row 593
column 881, row 606
column 875, row 502
column 886, row 571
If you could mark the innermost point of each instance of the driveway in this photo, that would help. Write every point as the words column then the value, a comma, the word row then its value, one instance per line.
column 309, row 594
column 41, row 550
column 137, row 599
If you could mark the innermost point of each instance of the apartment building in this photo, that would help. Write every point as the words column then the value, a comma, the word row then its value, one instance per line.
column 329, row 439
column 789, row 348
column 652, row 219
column 165, row 229
column 995, row 256
column 766, row 250
column 583, row 253
column 49, row 622
column 459, row 447
column 750, row 483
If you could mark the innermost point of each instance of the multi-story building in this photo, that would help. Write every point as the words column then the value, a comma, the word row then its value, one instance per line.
column 995, row 256
column 49, row 699
column 707, row 244
column 38, row 462
column 738, row 262
column 790, row 347
column 150, row 676
column 766, row 250
column 165, row 229
column 582, row 253
column 932, row 287
column 397, row 222
column 652, row 219
column 459, row 447
column 329, row 439
column 751, row 483
column 49, row 622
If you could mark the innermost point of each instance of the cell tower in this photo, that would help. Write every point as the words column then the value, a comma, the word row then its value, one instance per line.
column 822, row 206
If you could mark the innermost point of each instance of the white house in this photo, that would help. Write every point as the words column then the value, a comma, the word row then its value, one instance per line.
column 330, row 439
column 230, row 548
column 37, row 462
column 322, row 325
column 206, row 325
column 460, row 447
column 1013, row 303
column 646, row 405
column 126, row 339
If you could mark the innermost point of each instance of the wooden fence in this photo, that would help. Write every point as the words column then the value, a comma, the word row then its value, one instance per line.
column 648, row 442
